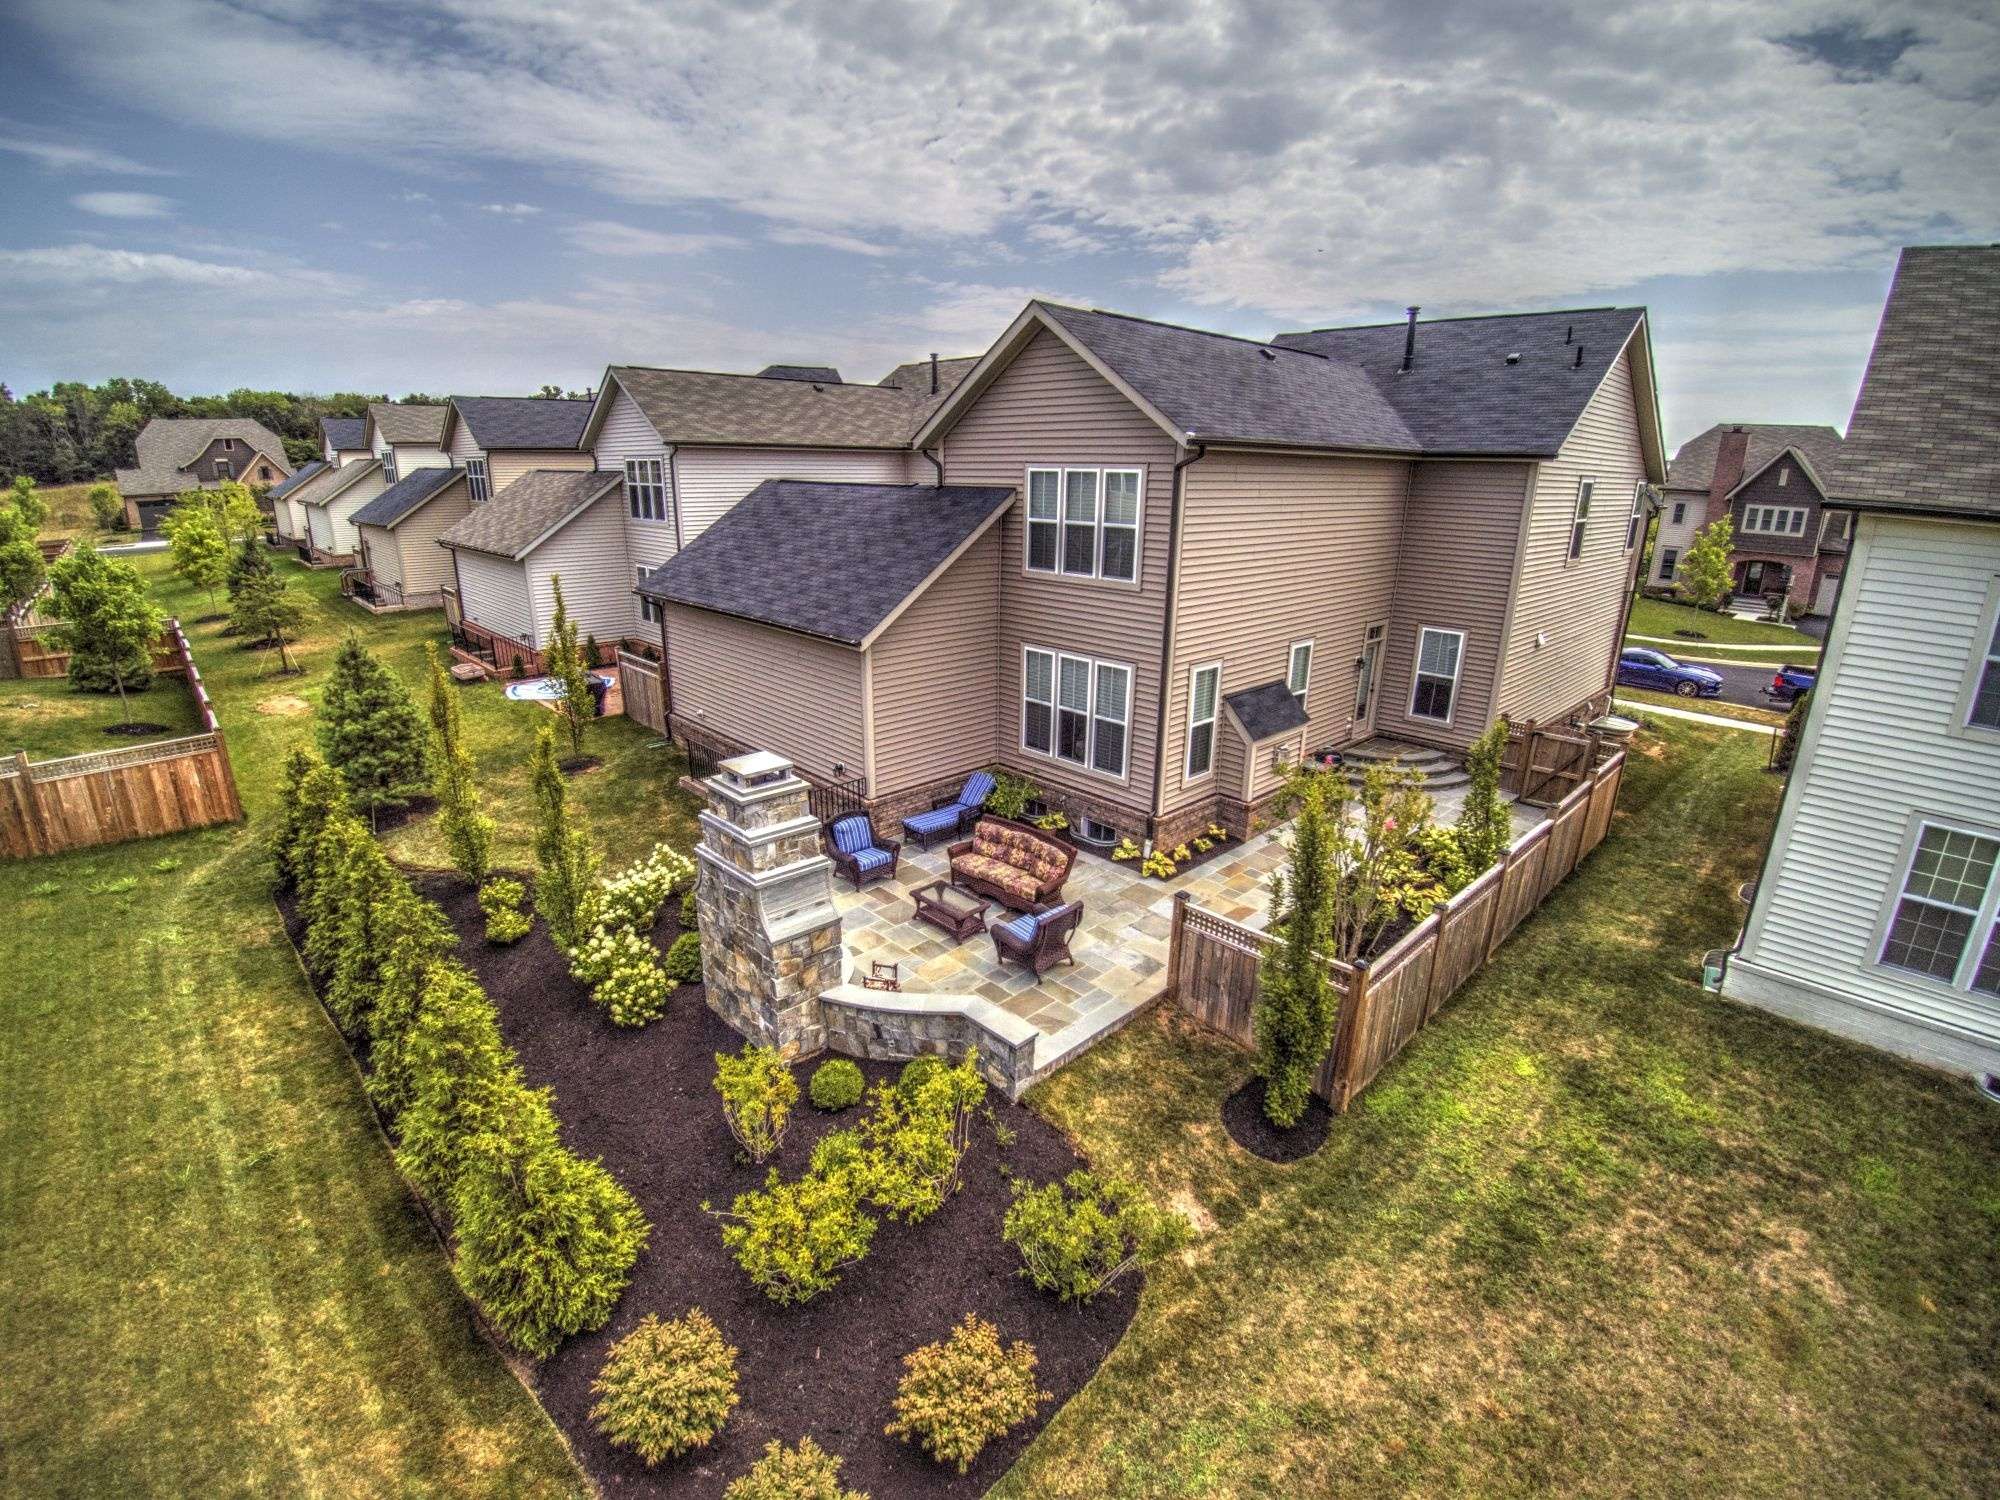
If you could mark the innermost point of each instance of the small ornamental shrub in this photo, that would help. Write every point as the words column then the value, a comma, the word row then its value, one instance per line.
column 1078, row 1236
column 666, row 1387
column 1125, row 849
column 917, row 1072
column 807, row 1472
column 505, row 921
column 1795, row 728
column 1159, row 865
column 1441, row 852
column 634, row 895
column 690, row 913
column 1484, row 823
column 684, row 959
column 794, row 1238
column 836, row 1084
column 1011, row 794
column 917, row 1139
column 959, row 1395
column 758, row 1092
column 623, row 970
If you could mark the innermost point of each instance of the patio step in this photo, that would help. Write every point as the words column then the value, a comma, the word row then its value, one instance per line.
column 1441, row 772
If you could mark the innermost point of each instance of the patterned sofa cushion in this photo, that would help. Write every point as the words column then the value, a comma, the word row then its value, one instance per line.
column 1016, row 882
column 1025, row 851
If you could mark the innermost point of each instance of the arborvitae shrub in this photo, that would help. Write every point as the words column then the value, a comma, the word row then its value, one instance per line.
column 565, row 862
column 758, row 1092
column 465, row 1081
column 416, row 941
column 958, row 1395
column 322, row 797
column 837, row 1084
column 1078, row 1236
column 807, row 1472
column 666, row 1387
column 294, row 812
column 501, row 901
column 370, row 731
column 684, row 959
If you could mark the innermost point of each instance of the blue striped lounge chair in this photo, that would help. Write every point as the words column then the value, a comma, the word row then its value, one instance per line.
column 949, row 815
column 857, row 853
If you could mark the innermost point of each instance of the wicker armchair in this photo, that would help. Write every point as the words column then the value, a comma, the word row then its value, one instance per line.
column 857, row 853
column 1039, row 940
column 949, row 815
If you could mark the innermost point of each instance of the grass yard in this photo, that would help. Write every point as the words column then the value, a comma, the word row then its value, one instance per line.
column 1713, row 706
column 1595, row 1233
column 69, row 509
column 1658, row 617
column 43, row 717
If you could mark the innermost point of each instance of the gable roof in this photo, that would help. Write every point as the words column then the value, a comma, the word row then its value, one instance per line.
column 1923, row 435
column 399, row 423
column 1797, row 455
column 1693, row 467
column 874, row 548
column 284, row 487
column 498, row 423
column 1341, row 389
column 406, row 496
column 1267, row 711
column 530, row 510
column 329, row 486
column 347, row 433
column 167, row 445
column 825, row 374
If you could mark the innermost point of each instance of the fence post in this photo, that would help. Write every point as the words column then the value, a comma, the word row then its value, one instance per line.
column 1498, row 902
column 33, row 825
column 1343, row 1039
column 1174, row 946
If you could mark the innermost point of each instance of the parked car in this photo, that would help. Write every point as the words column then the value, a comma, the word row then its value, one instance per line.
column 1643, row 667
column 1790, row 681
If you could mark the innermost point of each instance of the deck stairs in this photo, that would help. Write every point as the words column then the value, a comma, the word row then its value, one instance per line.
column 1442, row 772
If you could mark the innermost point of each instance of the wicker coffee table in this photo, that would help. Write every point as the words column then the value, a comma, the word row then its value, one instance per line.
column 950, row 909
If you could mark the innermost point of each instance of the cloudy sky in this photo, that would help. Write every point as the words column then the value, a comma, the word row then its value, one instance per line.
column 483, row 195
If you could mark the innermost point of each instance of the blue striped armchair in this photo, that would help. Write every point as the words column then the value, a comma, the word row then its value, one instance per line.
column 857, row 853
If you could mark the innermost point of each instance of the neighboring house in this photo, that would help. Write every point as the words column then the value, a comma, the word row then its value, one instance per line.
column 1769, row 479
column 1875, row 916
column 404, row 439
column 196, row 453
column 343, row 439
column 497, row 439
column 685, row 445
column 329, row 500
column 1218, row 555
column 288, row 516
column 402, row 565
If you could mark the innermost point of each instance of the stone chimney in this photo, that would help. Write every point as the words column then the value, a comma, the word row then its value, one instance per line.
column 770, row 934
column 1729, row 455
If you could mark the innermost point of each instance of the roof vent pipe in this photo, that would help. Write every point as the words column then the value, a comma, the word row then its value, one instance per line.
column 1579, row 356
column 933, row 372
column 1410, row 343
column 1569, row 334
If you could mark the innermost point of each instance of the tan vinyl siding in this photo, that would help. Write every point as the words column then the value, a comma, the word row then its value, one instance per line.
column 1579, row 605
column 462, row 445
column 710, row 480
column 626, row 433
column 935, row 680
column 1277, row 549
column 1232, row 757
column 1049, row 407
column 1265, row 775
column 714, row 662
column 319, row 529
column 597, row 589
column 493, row 592
column 1454, row 571
column 379, row 553
column 506, row 465
column 426, row 567
column 333, row 523
column 1886, row 747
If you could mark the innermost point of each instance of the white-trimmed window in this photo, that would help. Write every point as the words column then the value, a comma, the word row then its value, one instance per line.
column 1084, row 523
column 1638, row 515
column 388, row 465
column 646, row 488
column 1670, row 559
column 1076, row 709
column 649, row 609
column 475, row 480
column 1440, row 653
column 1299, row 669
column 1204, row 692
column 1985, row 710
column 1774, row 520
column 1579, row 515
column 1946, row 902
column 1680, row 511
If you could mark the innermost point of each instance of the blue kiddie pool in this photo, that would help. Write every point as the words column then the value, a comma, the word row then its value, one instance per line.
column 548, row 690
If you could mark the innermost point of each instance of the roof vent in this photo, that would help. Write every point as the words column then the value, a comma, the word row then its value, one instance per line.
column 934, row 380
column 1410, row 343
column 1269, row 354
column 1579, row 356
column 1513, row 359
column 1569, row 334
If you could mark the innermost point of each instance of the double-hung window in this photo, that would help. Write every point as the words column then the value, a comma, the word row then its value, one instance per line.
column 1638, row 515
column 1680, row 511
column 1076, row 709
column 1670, row 559
column 1204, row 691
column 1943, row 924
column 1774, row 520
column 649, row 609
column 388, row 465
column 1084, row 523
column 1579, row 516
column 646, row 488
column 475, row 480
column 1985, row 710
column 1299, row 669
column 1439, row 654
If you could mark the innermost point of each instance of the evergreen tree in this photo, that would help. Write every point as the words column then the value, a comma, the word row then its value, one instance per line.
column 322, row 798
column 1484, row 824
column 370, row 731
column 416, row 944
column 197, row 544
column 269, row 610
column 1296, row 1004
column 468, row 832
column 465, row 1081
column 565, row 863
column 249, row 561
column 1702, row 574
column 575, row 706
column 108, row 623
column 300, row 762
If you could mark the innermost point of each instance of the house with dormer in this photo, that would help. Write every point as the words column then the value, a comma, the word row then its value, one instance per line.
column 177, row 454
column 342, row 440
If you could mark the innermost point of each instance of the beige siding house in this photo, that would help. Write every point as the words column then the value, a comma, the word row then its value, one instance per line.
column 342, row 440
column 329, row 503
column 404, row 438
column 497, row 439
column 288, row 517
column 403, row 565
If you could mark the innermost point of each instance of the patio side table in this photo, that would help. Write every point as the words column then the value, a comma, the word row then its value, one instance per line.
column 950, row 910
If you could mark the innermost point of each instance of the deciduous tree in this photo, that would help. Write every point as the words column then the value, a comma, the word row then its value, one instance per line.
column 108, row 624
column 197, row 544
column 1702, row 574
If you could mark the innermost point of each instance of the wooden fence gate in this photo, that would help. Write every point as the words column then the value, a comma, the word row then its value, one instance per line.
column 639, row 681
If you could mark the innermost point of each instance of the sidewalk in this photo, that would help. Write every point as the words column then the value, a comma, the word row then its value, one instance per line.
column 1640, row 710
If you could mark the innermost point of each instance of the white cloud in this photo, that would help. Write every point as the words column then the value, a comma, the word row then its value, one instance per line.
column 69, row 156
column 607, row 237
column 511, row 210
column 827, row 239
column 95, row 265
column 124, row 205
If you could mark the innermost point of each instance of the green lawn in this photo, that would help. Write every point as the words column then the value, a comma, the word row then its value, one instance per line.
column 43, row 717
column 1773, row 717
column 215, row 1283
column 1657, row 617
column 1595, row 1233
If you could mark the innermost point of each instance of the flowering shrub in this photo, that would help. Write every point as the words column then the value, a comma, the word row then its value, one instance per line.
column 623, row 970
column 634, row 895
column 958, row 1395
column 758, row 1092
column 505, row 921
column 666, row 1387
column 1079, row 1235
column 807, row 1472
column 684, row 959
column 836, row 1084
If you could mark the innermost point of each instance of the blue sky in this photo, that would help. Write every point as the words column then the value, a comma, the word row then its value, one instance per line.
column 480, row 197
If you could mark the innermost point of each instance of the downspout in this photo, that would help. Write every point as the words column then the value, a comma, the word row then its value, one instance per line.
column 1632, row 587
column 935, row 464
column 1191, row 455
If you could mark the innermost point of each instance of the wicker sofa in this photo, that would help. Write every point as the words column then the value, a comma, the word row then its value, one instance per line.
column 1018, row 866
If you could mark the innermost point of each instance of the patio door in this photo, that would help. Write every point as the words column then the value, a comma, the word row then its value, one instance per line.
column 1366, row 671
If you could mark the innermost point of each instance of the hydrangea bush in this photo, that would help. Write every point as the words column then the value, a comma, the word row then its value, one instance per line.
column 623, row 970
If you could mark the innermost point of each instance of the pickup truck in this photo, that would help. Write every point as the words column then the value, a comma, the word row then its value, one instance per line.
column 1790, row 681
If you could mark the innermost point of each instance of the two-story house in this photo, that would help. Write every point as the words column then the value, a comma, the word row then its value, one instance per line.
column 1877, row 914
column 1159, row 564
column 342, row 440
column 1769, row 479
column 196, row 453
column 667, row 452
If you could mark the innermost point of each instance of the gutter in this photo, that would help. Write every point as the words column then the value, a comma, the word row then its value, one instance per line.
column 1189, row 456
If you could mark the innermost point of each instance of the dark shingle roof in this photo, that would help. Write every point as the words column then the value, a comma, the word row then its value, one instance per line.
column 1925, row 433
column 349, row 433
column 701, row 407
column 503, row 422
column 406, row 495
column 167, row 445
column 872, row 547
column 1266, row 712
column 512, row 522
column 825, row 374
column 1693, row 467
column 401, row 423
column 284, row 487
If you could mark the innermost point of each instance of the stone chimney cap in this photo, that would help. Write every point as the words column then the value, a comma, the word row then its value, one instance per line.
column 760, row 768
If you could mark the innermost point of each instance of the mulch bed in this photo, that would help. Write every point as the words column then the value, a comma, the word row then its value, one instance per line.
column 642, row 1101
column 1244, row 1118
column 135, row 728
column 391, row 818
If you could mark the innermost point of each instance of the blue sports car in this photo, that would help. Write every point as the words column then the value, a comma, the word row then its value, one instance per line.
column 1643, row 667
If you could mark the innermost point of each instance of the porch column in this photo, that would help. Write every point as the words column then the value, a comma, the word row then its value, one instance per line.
column 770, row 933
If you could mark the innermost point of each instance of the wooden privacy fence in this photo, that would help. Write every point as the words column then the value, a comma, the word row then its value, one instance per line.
column 1385, row 1001
column 639, row 681
column 109, row 796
